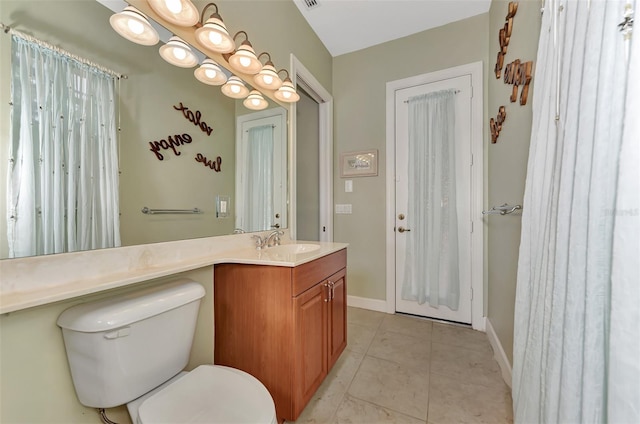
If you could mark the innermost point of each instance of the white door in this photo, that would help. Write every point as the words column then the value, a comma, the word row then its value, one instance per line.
column 261, row 209
column 405, row 224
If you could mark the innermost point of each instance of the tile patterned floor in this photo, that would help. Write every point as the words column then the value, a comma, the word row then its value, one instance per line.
column 400, row 369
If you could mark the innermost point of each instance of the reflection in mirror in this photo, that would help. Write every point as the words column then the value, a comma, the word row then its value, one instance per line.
column 261, row 169
column 157, row 103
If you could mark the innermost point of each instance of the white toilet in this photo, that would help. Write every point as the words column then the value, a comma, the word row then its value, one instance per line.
column 132, row 349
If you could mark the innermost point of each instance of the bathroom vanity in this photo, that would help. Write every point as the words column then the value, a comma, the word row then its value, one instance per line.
column 284, row 325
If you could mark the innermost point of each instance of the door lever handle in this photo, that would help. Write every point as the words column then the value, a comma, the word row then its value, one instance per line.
column 402, row 229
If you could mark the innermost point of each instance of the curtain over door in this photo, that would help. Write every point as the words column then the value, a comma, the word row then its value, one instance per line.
column 433, row 199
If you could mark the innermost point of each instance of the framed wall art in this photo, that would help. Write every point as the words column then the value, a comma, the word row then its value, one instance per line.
column 363, row 163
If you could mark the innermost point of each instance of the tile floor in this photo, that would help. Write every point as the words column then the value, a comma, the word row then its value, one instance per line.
column 402, row 369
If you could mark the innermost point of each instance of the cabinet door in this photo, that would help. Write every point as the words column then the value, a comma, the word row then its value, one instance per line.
column 311, row 343
column 337, row 315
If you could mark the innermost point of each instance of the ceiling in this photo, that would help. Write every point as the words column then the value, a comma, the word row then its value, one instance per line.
column 345, row 26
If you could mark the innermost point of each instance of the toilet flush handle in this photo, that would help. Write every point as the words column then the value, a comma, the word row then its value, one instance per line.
column 120, row 332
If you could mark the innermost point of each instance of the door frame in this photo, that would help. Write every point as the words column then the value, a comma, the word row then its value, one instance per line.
column 477, row 183
column 298, row 70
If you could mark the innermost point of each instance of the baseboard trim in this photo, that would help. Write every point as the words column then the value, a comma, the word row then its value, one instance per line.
column 367, row 303
column 499, row 354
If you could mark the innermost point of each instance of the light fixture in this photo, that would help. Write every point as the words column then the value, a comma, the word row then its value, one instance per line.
column 134, row 26
column 255, row 101
column 178, row 12
column 235, row 88
column 178, row 53
column 287, row 92
column 267, row 78
column 210, row 73
column 244, row 59
column 213, row 34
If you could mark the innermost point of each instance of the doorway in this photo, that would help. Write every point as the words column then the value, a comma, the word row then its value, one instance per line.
column 407, row 234
column 261, row 171
column 307, row 158
column 309, row 86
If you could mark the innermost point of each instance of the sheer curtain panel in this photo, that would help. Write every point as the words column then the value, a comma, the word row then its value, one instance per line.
column 258, row 195
column 577, row 325
column 431, row 273
column 63, row 173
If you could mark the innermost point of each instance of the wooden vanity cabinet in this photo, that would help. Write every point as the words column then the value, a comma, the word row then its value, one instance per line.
column 285, row 326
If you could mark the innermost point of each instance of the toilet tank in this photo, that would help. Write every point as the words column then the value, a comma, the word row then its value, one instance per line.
column 121, row 347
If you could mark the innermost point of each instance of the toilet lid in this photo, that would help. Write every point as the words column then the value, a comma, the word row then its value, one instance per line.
column 211, row 394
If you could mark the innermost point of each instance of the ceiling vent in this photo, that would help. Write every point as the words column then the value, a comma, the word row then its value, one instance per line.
column 311, row 4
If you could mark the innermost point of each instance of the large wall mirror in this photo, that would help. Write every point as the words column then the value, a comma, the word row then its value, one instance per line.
column 157, row 101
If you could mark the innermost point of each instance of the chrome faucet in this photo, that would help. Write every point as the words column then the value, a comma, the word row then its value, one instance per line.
column 273, row 239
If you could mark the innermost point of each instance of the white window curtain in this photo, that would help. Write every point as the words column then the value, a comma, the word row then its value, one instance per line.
column 258, row 190
column 63, row 173
column 432, row 270
column 577, row 319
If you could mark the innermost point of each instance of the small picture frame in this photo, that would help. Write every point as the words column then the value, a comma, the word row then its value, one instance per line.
column 363, row 163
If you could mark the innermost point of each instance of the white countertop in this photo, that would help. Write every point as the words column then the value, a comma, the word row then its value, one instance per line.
column 34, row 281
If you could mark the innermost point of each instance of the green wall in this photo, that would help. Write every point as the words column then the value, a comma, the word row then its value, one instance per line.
column 508, row 165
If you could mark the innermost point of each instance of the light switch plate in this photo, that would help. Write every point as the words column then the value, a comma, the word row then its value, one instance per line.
column 343, row 209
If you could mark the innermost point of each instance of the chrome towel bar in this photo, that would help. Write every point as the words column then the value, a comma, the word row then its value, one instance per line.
column 502, row 210
column 148, row 211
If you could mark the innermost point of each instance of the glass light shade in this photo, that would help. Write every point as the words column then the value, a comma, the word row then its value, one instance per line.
column 214, row 35
column 287, row 93
column 255, row 101
column 134, row 26
column 268, row 78
column 245, row 60
column 210, row 73
column 178, row 53
column 235, row 88
column 178, row 12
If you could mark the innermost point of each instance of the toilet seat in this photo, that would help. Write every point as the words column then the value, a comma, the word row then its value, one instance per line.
column 210, row 394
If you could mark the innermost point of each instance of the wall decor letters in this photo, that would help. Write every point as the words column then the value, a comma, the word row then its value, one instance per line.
column 215, row 165
column 169, row 143
column 496, row 124
column 194, row 118
column 518, row 74
column 504, row 36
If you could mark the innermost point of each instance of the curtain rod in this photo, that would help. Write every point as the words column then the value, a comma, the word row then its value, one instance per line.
column 7, row 29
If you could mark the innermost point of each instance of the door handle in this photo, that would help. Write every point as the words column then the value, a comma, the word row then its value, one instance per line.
column 402, row 229
column 275, row 226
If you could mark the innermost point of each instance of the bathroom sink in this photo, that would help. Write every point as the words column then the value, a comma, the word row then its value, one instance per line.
column 295, row 249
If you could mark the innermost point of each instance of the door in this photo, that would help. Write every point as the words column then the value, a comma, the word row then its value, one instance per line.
column 412, row 231
column 261, row 171
column 310, row 309
column 337, row 315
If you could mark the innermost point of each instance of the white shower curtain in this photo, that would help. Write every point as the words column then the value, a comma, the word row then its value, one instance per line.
column 258, row 189
column 63, row 171
column 431, row 271
column 577, row 320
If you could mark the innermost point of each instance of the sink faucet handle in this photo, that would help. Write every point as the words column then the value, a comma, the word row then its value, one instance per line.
column 259, row 242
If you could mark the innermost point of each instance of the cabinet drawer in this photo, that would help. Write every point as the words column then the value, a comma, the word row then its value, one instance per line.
column 307, row 275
